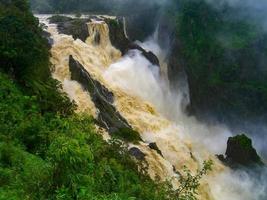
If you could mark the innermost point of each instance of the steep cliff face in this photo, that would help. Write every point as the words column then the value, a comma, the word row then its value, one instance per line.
column 141, row 25
column 118, row 35
column 224, row 60
column 176, row 65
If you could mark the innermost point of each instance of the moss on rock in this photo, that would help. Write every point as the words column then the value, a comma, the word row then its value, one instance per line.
column 241, row 151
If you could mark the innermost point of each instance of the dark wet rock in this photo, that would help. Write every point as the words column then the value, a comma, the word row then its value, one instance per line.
column 108, row 117
column 151, row 57
column 137, row 153
column 240, row 152
column 176, row 65
column 47, row 36
column 221, row 158
column 59, row 19
column 120, row 41
column 176, row 171
column 155, row 147
column 117, row 35
column 141, row 24
column 77, row 27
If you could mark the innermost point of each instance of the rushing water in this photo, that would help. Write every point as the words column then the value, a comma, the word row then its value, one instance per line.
column 143, row 97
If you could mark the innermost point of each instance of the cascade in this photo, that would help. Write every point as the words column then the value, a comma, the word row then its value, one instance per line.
column 98, row 34
column 125, row 27
column 144, row 100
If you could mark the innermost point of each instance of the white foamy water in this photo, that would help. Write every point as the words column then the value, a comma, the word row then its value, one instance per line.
column 143, row 97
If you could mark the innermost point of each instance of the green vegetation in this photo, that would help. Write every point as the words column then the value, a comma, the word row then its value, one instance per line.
column 243, row 140
column 24, row 54
column 190, row 183
column 225, row 59
column 128, row 135
column 49, row 156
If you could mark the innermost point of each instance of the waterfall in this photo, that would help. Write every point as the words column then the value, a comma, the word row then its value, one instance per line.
column 125, row 27
column 143, row 98
column 98, row 34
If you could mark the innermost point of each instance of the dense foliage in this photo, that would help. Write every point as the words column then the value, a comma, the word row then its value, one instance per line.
column 48, row 156
column 52, row 157
column 225, row 56
column 24, row 54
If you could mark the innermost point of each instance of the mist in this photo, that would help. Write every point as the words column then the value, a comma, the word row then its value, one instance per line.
column 252, row 11
column 133, row 73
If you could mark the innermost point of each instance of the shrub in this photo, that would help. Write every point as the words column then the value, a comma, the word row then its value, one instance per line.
column 128, row 135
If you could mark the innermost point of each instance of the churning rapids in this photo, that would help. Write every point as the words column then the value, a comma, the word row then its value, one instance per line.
column 143, row 98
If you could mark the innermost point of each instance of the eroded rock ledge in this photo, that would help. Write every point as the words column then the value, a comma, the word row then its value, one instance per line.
column 78, row 28
column 108, row 117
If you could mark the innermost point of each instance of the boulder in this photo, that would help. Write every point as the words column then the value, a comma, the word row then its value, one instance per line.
column 155, row 147
column 240, row 152
column 137, row 153
column 47, row 36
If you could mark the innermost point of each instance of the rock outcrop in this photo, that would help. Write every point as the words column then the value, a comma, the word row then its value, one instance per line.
column 137, row 153
column 155, row 147
column 120, row 41
column 108, row 117
column 77, row 27
column 117, row 35
column 240, row 152
column 47, row 36
column 151, row 57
